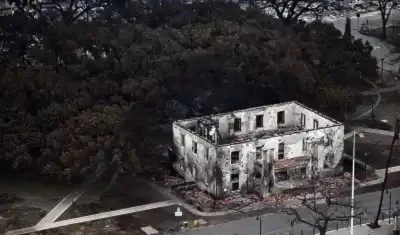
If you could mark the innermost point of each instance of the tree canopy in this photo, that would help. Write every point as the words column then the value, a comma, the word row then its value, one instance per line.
column 83, row 85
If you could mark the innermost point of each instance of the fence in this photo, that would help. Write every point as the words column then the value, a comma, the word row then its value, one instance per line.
column 333, row 226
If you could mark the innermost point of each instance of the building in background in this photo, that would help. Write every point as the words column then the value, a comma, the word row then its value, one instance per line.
column 260, row 149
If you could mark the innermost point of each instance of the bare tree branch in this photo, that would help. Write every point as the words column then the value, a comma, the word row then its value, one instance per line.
column 290, row 11
column 317, row 210
column 385, row 8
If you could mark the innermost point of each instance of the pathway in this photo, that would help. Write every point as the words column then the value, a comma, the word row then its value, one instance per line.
column 62, row 206
column 66, row 202
column 83, row 219
column 381, row 49
column 378, row 100
column 380, row 90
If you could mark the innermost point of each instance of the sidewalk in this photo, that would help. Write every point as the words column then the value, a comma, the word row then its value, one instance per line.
column 386, row 229
column 356, row 116
column 380, row 90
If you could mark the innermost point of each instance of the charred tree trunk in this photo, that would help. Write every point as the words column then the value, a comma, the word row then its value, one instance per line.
column 384, row 36
column 375, row 224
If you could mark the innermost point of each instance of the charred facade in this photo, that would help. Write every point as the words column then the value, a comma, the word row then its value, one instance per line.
column 260, row 149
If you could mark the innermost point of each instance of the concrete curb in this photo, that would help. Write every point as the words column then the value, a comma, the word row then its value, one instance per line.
column 359, row 162
column 375, row 131
column 380, row 90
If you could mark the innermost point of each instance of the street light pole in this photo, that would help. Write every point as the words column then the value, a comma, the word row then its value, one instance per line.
column 259, row 218
column 352, row 184
column 365, row 163
column 382, row 70
column 390, row 205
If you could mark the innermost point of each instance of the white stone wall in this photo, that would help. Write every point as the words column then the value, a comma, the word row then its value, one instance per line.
column 214, row 173
column 292, row 110
column 310, row 115
column 248, row 119
column 204, row 165
column 293, row 148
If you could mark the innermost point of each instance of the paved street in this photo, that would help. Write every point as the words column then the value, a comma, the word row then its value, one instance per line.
column 381, row 49
column 279, row 223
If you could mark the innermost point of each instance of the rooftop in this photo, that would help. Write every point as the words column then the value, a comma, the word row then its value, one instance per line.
column 335, row 122
column 260, row 135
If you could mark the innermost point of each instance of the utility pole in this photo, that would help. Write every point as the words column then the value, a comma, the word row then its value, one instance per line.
column 390, row 204
column 382, row 70
column 352, row 184
column 259, row 218
column 215, row 186
column 365, row 163
column 375, row 223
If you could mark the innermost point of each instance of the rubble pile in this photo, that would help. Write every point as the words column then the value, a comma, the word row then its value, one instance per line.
column 170, row 180
column 200, row 199
column 276, row 198
column 236, row 202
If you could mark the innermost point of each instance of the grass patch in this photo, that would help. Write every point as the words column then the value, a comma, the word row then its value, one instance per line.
column 15, row 214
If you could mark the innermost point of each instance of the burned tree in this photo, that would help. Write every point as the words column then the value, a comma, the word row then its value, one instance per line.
column 385, row 8
column 289, row 11
column 323, row 201
column 375, row 223
column 68, row 11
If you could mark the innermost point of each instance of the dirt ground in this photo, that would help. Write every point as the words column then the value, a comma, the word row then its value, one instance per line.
column 374, row 150
column 162, row 219
column 127, row 191
column 31, row 204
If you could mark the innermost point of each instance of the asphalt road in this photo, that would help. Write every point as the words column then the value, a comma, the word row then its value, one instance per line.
column 381, row 49
column 279, row 223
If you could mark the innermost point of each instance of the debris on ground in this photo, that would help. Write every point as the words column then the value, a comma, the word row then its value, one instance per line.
column 200, row 199
column 205, row 202
column 170, row 180
column 237, row 201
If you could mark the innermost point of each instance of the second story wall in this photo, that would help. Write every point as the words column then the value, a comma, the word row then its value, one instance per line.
column 325, row 144
column 249, row 123
column 310, row 116
column 195, row 154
